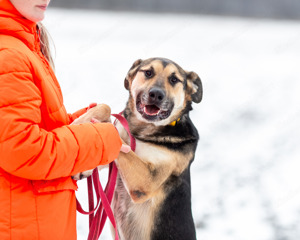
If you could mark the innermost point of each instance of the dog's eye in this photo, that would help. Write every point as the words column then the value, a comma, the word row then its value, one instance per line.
column 148, row 73
column 173, row 80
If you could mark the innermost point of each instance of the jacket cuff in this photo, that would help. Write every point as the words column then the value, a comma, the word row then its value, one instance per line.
column 98, row 144
column 111, row 142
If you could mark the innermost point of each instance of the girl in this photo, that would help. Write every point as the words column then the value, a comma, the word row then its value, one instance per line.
column 39, row 150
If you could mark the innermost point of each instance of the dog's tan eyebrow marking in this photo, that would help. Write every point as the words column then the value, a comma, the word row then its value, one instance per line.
column 174, row 74
column 146, row 68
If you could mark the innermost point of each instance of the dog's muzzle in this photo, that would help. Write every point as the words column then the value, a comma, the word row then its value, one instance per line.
column 153, row 105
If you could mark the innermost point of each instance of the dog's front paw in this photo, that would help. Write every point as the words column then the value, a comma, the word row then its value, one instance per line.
column 83, row 175
column 100, row 112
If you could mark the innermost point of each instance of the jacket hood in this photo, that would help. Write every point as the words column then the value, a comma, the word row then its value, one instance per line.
column 14, row 24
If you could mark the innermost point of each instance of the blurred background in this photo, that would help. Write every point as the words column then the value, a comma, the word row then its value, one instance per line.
column 255, row 8
column 245, row 177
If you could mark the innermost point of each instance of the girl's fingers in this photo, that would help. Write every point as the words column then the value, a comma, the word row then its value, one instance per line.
column 92, row 105
column 125, row 148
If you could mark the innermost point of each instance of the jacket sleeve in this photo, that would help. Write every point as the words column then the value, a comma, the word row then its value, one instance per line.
column 30, row 152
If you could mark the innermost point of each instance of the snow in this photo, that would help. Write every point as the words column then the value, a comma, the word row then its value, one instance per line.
column 245, row 177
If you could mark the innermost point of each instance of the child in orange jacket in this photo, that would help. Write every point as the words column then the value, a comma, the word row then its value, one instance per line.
column 39, row 149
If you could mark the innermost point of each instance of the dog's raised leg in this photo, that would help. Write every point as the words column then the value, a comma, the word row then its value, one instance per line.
column 143, row 175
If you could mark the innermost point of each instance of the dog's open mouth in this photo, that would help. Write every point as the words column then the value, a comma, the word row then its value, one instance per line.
column 152, row 112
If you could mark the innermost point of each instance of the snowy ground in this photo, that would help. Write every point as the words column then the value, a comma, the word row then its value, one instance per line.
column 245, row 178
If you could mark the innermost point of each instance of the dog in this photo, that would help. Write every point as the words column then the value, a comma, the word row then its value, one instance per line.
column 152, row 199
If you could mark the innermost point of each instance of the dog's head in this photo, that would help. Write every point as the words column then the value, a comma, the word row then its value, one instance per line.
column 160, row 90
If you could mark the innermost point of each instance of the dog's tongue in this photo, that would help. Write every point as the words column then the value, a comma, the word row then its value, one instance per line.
column 151, row 109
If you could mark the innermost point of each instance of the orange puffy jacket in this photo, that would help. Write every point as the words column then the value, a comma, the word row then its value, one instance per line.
column 39, row 151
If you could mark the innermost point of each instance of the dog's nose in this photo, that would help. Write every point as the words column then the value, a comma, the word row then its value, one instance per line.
column 156, row 95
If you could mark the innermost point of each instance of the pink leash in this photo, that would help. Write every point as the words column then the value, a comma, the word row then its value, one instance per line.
column 99, row 214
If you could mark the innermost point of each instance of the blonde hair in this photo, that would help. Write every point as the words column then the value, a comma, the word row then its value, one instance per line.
column 45, row 43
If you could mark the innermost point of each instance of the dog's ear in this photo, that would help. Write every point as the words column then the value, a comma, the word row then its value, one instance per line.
column 194, row 87
column 132, row 72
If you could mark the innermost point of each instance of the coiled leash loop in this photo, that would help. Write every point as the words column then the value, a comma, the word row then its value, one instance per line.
column 99, row 214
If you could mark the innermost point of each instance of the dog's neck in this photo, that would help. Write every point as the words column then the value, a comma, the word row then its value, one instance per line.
column 170, row 134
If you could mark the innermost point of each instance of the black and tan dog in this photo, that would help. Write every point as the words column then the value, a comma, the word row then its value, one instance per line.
column 152, row 200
